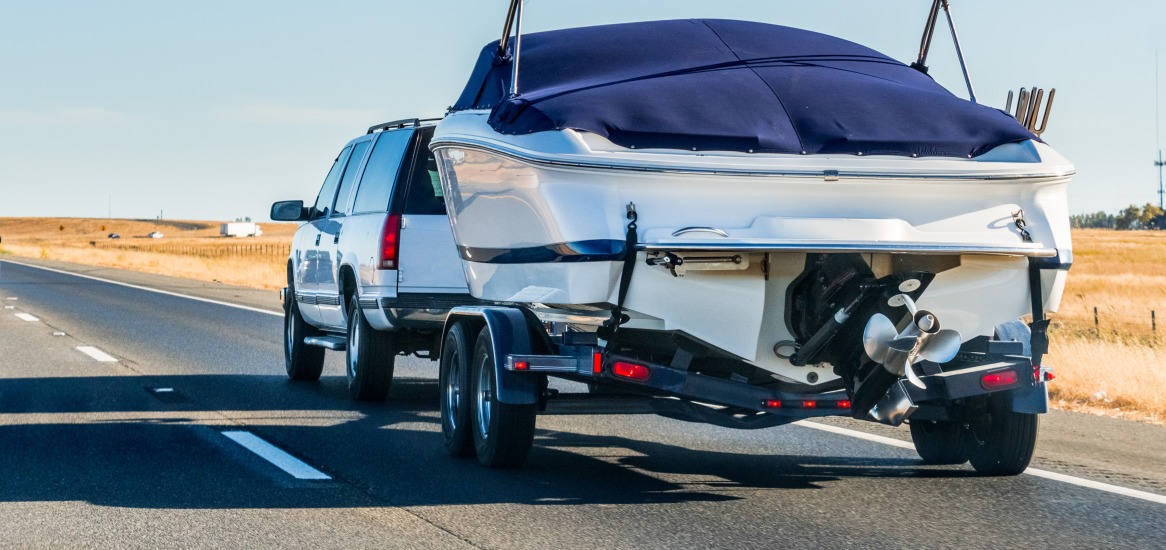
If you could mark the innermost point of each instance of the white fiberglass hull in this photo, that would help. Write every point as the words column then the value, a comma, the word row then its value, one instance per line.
column 541, row 219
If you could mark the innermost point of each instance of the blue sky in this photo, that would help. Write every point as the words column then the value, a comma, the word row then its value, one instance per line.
column 214, row 109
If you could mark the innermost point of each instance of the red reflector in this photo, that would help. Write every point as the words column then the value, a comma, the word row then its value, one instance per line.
column 771, row 404
column 390, row 242
column 997, row 380
column 597, row 363
column 632, row 371
column 843, row 404
column 809, row 404
column 521, row 365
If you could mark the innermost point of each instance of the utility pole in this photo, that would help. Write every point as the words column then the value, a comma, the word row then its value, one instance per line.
column 1160, row 164
column 1158, row 129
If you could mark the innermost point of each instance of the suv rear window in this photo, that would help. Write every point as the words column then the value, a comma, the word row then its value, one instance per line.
column 424, row 196
column 350, row 176
column 376, row 186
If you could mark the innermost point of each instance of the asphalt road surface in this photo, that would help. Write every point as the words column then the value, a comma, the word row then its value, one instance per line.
column 120, row 409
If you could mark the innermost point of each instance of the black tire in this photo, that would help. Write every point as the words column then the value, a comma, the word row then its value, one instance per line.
column 454, row 380
column 301, row 361
column 503, row 433
column 370, row 357
column 1000, row 442
column 939, row 442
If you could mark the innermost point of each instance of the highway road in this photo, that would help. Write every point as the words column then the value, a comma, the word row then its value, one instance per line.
column 122, row 410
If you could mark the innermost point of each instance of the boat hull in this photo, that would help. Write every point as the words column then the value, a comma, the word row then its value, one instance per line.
column 542, row 219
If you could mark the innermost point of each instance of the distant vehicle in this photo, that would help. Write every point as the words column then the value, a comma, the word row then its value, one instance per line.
column 114, row 236
column 240, row 229
column 154, row 235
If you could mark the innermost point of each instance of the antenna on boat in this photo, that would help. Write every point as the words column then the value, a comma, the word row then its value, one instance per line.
column 513, row 20
column 925, row 44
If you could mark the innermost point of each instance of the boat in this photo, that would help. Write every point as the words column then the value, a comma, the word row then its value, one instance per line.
column 783, row 205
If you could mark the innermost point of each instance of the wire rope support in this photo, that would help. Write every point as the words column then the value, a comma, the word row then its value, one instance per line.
column 925, row 44
column 959, row 51
column 517, row 49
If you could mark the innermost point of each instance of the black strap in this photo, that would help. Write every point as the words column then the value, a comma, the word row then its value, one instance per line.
column 611, row 326
column 1039, row 326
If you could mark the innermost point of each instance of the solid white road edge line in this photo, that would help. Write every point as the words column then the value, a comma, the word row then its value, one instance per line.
column 27, row 317
column 149, row 289
column 288, row 463
column 97, row 354
column 1080, row 482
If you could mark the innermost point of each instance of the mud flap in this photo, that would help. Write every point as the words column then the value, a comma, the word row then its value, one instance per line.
column 1034, row 400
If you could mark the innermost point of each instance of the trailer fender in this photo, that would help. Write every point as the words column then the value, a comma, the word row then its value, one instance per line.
column 510, row 334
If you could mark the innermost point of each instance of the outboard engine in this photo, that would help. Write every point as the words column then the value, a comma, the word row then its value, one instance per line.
column 869, row 329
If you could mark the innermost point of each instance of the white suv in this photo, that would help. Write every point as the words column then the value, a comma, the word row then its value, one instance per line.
column 374, row 269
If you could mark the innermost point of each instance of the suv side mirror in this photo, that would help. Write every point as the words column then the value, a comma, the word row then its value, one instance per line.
column 289, row 211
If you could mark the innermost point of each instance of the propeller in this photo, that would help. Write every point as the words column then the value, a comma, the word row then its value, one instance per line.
column 920, row 340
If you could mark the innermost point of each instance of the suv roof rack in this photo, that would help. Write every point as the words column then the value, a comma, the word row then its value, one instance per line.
column 414, row 122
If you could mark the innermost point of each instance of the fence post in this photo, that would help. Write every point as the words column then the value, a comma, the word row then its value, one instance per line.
column 1153, row 322
column 1096, row 323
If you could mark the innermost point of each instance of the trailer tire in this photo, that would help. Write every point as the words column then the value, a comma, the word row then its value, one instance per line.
column 369, row 358
column 1001, row 442
column 939, row 442
column 503, row 433
column 301, row 361
column 454, row 380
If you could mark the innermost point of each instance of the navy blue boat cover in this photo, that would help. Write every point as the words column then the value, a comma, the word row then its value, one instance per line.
column 720, row 85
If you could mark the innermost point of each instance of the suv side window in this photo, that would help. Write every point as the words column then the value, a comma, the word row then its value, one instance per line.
column 376, row 186
column 349, row 177
column 328, row 190
column 424, row 196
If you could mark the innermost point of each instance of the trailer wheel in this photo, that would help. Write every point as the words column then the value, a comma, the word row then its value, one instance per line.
column 939, row 442
column 1000, row 442
column 302, row 362
column 370, row 357
column 454, row 380
column 503, row 433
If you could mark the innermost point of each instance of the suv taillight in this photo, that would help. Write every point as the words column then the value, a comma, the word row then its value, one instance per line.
column 390, row 242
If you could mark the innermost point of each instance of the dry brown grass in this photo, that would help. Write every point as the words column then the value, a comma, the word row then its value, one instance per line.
column 191, row 249
column 1116, row 367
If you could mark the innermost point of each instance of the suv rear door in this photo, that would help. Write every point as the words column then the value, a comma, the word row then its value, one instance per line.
column 429, row 258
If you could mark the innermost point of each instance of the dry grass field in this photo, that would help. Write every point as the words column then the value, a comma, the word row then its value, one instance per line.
column 190, row 249
column 1114, row 363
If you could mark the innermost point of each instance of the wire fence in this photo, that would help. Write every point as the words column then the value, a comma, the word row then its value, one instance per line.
column 1102, row 321
column 201, row 251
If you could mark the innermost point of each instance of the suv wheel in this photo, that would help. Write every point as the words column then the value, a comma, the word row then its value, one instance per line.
column 302, row 362
column 370, row 357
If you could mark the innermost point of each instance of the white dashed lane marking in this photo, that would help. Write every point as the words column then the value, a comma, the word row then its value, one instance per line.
column 288, row 463
column 97, row 354
column 1071, row 480
column 27, row 317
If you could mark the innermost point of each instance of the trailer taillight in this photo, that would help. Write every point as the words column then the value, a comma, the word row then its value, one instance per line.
column 597, row 363
column 390, row 242
column 998, row 380
column 631, row 371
